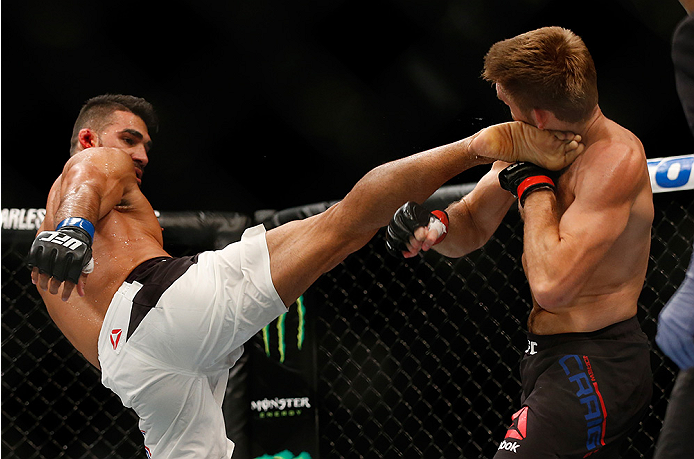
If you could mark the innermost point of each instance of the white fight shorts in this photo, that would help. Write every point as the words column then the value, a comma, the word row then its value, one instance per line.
column 172, row 332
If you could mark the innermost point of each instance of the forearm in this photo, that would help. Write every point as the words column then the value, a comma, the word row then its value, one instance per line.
column 417, row 177
column 545, row 261
column 82, row 200
column 474, row 219
column 90, row 187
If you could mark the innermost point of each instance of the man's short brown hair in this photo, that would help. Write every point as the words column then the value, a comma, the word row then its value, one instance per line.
column 548, row 68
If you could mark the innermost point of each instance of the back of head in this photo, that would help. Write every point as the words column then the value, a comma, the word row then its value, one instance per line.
column 548, row 68
column 96, row 114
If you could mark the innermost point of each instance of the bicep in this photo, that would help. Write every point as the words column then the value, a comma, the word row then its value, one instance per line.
column 594, row 221
column 95, row 182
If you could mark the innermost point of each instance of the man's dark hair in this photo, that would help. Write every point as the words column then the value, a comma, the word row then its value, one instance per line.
column 96, row 113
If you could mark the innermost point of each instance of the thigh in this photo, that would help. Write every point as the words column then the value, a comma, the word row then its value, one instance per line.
column 180, row 411
column 540, row 433
column 574, row 411
column 180, row 417
column 202, row 320
column 526, row 437
column 544, row 430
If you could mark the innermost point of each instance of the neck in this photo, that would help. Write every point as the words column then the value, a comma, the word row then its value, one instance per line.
column 587, row 129
column 591, row 127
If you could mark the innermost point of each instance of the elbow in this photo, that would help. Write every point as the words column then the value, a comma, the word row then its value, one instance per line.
column 550, row 294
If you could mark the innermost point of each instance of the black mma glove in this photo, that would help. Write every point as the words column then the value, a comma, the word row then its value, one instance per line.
column 64, row 253
column 405, row 222
column 523, row 178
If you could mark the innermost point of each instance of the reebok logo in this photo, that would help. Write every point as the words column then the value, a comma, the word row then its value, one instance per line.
column 115, row 337
column 509, row 446
column 519, row 426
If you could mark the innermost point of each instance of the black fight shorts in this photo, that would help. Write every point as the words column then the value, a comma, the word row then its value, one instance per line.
column 583, row 393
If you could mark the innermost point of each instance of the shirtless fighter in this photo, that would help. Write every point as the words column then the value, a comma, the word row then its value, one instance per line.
column 165, row 331
column 586, row 374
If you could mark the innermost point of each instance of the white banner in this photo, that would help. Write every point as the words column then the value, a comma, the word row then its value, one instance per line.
column 671, row 174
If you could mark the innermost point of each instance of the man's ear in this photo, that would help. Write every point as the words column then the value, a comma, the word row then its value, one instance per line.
column 541, row 117
column 87, row 138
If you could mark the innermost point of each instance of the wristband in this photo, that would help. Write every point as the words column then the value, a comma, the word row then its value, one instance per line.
column 530, row 184
column 443, row 218
column 79, row 223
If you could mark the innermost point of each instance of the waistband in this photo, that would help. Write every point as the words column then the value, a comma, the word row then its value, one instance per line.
column 613, row 331
column 140, row 269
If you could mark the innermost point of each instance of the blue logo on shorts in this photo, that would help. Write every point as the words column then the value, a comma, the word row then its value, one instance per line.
column 580, row 372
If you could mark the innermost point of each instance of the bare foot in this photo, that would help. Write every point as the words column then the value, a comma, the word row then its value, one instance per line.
column 517, row 141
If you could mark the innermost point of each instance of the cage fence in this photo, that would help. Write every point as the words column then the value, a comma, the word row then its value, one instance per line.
column 415, row 358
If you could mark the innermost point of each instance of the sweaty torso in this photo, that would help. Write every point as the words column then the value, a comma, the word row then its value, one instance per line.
column 125, row 237
column 612, row 289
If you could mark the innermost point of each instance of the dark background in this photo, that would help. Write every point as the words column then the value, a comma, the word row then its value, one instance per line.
column 273, row 104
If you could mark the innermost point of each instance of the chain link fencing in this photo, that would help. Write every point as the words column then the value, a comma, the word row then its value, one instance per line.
column 416, row 358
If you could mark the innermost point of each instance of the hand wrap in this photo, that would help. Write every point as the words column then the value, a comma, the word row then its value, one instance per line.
column 523, row 178
column 405, row 222
column 64, row 253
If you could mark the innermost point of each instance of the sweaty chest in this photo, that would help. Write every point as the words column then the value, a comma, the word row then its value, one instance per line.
column 121, row 243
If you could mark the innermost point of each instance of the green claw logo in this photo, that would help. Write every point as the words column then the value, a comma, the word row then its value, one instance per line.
column 281, row 332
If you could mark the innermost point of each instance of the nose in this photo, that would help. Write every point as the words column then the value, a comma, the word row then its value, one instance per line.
column 140, row 155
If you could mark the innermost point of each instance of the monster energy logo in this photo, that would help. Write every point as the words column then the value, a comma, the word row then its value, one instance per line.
column 281, row 332
column 280, row 407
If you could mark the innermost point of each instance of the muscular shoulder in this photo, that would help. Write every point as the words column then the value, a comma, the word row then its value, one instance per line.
column 103, row 177
column 109, row 167
column 615, row 166
column 108, row 160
